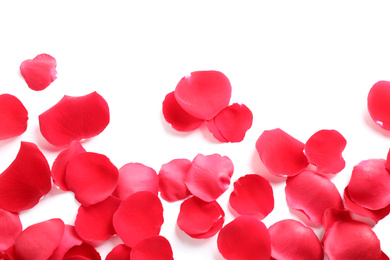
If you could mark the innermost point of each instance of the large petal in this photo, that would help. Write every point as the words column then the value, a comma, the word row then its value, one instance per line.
column 378, row 103
column 10, row 228
column 119, row 252
column 152, row 248
column 69, row 240
column 13, row 117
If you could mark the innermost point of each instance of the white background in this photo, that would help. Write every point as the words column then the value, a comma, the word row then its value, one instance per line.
column 301, row 66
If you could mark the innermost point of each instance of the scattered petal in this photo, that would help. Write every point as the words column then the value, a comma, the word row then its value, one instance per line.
column 69, row 240
column 84, row 251
column 333, row 215
column 10, row 227
column 152, row 248
column 119, row 252
column 378, row 104
column 13, row 117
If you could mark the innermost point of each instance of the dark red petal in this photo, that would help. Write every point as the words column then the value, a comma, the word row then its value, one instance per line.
column 312, row 194
column 39, row 72
column 58, row 169
column 94, row 223
column 39, row 240
column 171, row 180
column 281, row 153
column 369, row 184
column 139, row 216
column 291, row 240
column 378, row 104
column 92, row 177
column 120, row 252
column 209, row 176
column 74, row 119
column 179, row 119
column 10, row 228
column 13, row 117
column 26, row 180
column 69, row 240
column 252, row 195
column 152, row 248
column 324, row 148
column 244, row 238
column 84, row 251
column 203, row 93
column 197, row 217
column 231, row 123
column 134, row 177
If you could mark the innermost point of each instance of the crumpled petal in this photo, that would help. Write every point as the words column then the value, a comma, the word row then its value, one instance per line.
column 179, row 119
column 119, row 252
column 291, row 240
column 203, row 94
column 26, row 180
column 92, row 177
column 94, row 223
column 171, row 180
column 281, row 153
column 152, row 248
column 253, row 196
column 134, row 177
column 378, row 104
column 139, row 216
column 39, row 72
column 312, row 194
column 369, row 184
column 74, row 119
column 39, row 240
column 231, row 123
column 244, row 238
column 10, row 228
column 84, row 251
column 69, row 240
column 13, row 117
column 324, row 150
column 200, row 219
column 209, row 176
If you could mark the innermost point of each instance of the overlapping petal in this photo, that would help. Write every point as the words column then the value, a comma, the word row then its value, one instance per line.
column 378, row 103
column 119, row 252
column 84, row 251
column 74, row 119
column 10, row 228
column 152, row 248
column 69, row 240
column 13, row 117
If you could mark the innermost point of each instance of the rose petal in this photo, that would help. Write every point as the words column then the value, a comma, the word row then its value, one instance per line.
column 152, row 248
column 369, row 184
column 69, row 240
column 134, row 177
column 384, row 256
column 209, row 176
column 324, row 148
column 332, row 216
column 84, row 251
column 378, row 103
column 139, row 216
column 92, row 177
column 39, row 72
column 8, row 254
column 94, row 223
column 281, row 153
column 26, row 180
column 119, row 252
column 231, row 123
column 312, row 194
column 179, row 119
column 74, row 119
column 39, row 240
column 291, row 240
column 171, row 180
column 13, row 117
column 10, row 228
column 203, row 94
column 244, row 238
column 252, row 195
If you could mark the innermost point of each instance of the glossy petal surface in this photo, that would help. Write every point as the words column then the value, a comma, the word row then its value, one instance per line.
column 10, row 228
column 378, row 103
column 13, row 117
column 152, row 248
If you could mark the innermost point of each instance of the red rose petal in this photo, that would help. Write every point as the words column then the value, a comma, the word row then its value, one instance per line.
column 8, row 254
column 333, row 215
column 139, row 216
column 92, row 177
column 171, row 180
column 378, row 103
column 231, row 123
column 69, row 240
column 120, row 252
column 74, row 119
column 179, row 119
column 200, row 219
column 94, row 223
column 203, row 94
column 58, row 169
column 13, row 117
column 39, row 240
column 291, row 240
column 209, row 176
column 10, row 227
column 244, row 238
column 384, row 256
column 281, row 153
column 312, row 194
column 324, row 148
column 26, row 180
column 152, row 248
column 369, row 184
column 39, row 72
column 134, row 177
column 84, row 251
column 252, row 195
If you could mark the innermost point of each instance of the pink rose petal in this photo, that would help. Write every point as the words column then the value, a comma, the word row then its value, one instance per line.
column 69, row 240
column 378, row 104
column 119, row 252
column 152, row 248
column 10, row 228
column 13, row 117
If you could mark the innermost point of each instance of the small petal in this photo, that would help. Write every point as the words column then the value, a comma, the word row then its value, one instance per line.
column 13, row 117
column 119, row 252
column 69, row 240
column 378, row 104
column 10, row 228
column 152, row 248
column 84, row 251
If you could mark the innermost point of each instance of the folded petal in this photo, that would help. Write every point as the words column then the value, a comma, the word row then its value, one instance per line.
column 13, row 117
column 152, row 248
column 378, row 103
column 74, row 119
column 119, row 252
column 84, row 251
column 10, row 228
column 69, row 240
